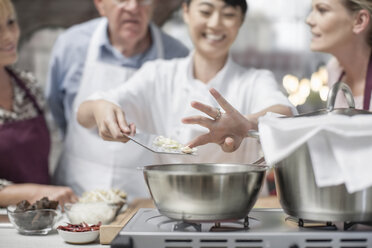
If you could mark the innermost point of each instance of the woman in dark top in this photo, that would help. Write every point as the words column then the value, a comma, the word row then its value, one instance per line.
column 24, row 135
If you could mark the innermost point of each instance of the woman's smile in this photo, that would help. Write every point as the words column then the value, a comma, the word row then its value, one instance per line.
column 8, row 48
column 213, row 26
column 214, row 37
column 315, row 36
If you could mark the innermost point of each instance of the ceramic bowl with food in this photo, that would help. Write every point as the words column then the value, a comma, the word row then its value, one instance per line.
column 33, row 222
column 78, row 237
column 80, row 233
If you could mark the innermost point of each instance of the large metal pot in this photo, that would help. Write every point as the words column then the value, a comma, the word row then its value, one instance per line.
column 301, row 197
column 204, row 192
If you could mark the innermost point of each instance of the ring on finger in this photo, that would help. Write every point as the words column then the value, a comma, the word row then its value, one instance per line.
column 218, row 116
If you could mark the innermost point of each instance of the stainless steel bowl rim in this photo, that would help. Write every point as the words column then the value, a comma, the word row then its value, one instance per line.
column 157, row 169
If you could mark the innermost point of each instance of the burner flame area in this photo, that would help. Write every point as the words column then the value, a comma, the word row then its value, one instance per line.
column 164, row 223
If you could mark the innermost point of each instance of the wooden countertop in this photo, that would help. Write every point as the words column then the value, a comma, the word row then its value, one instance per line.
column 108, row 232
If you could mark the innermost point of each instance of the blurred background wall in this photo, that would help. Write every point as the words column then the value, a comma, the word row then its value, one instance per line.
column 274, row 36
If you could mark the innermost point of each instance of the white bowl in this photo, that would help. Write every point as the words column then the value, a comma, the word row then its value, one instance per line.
column 79, row 237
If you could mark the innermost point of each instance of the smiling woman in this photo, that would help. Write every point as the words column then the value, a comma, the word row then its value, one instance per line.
column 213, row 27
column 24, row 136
column 9, row 33
column 21, row 119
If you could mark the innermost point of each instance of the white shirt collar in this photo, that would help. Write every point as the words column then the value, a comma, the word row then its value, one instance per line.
column 218, row 79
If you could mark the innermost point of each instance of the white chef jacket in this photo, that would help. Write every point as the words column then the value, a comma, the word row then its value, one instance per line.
column 158, row 96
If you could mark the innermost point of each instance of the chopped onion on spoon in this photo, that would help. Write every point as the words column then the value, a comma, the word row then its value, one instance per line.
column 170, row 145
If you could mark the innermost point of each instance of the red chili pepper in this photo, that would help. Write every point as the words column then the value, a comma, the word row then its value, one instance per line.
column 82, row 227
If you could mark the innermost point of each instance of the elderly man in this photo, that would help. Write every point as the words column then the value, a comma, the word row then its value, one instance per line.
column 98, row 55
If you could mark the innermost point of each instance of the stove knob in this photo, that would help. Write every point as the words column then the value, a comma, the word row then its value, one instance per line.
column 294, row 246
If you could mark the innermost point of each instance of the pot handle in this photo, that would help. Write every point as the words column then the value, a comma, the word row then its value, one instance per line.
column 331, row 99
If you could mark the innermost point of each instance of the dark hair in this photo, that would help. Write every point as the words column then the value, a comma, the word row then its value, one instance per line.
column 234, row 3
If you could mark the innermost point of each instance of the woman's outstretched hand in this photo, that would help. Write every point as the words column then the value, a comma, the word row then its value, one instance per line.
column 227, row 128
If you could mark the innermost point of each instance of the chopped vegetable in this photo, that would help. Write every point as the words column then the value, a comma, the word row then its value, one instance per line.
column 170, row 145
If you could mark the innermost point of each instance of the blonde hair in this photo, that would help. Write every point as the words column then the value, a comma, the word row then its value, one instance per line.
column 6, row 9
column 356, row 5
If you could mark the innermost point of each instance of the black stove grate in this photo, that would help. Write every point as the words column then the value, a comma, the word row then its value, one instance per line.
column 326, row 225
column 163, row 223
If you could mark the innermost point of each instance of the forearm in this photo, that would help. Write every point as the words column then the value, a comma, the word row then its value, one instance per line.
column 15, row 193
column 279, row 109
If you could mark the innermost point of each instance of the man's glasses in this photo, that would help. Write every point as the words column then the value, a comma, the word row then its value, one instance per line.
column 127, row 2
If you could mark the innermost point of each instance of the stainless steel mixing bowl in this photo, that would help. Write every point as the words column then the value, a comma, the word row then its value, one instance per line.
column 204, row 192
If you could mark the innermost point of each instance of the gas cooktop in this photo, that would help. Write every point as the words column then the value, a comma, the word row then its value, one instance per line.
column 262, row 229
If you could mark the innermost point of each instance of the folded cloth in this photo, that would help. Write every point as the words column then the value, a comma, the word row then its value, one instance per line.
column 340, row 146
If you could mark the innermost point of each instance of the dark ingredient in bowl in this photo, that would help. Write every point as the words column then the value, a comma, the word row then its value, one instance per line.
column 44, row 203
column 29, row 219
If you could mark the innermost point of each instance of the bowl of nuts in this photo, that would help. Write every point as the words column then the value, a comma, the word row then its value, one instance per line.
column 34, row 219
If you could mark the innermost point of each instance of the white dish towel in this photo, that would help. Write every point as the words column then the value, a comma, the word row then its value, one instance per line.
column 340, row 146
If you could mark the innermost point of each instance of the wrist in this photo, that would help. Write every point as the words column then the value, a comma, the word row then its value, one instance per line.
column 250, row 124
